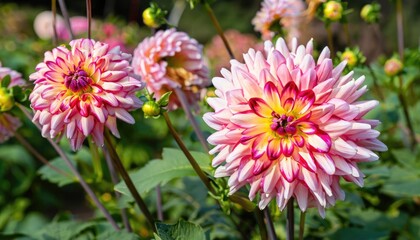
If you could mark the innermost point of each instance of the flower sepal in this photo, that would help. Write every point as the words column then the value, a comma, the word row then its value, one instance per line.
column 153, row 108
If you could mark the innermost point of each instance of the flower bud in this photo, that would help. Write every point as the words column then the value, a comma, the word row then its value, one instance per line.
column 371, row 12
column 149, row 18
column 6, row 100
column 393, row 67
column 151, row 109
column 350, row 57
column 333, row 10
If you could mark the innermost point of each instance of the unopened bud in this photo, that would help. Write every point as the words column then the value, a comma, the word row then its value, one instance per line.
column 350, row 57
column 151, row 109
column 6, row 100
column 371, row 12
column 149, row 18
column 393, row 67
column 333, row 10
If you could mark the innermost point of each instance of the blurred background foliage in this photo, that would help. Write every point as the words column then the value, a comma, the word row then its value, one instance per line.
column 36, row 202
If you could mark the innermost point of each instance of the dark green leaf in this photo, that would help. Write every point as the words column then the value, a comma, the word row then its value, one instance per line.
column 51, row 175
column 5, row 81
column 174, row 165
column 180, row 231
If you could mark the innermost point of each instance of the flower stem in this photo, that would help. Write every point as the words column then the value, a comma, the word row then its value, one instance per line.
column 269, row 224
column 218, row 29
column 96, row 161
column 176, row 12
column 404, row 105
column 89, row 16
column 261, row 225
column 302, row 225
column 400, row 29
column 82, row 182
column 190, row 158
column 54, row 23
column 347, row 33
column 330, row 40
column 159, row 203
column 375, row 83
column 120, row 168
column 187, row 109
column 38, row 156
column 290, row 221
column 66, row 17
column 115, row 180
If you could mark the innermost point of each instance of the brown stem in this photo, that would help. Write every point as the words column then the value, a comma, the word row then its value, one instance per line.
column 38, row 156
column 89, row 16
column 115, row 180
column 219, row 29
column 54, row 24
column 66, row 159
column 400, row 29
column 290, row 221
column 66, row 17
column 187, row 109
column 302, row 225
column 269, row 224
column 120, row 168
column 159, row 203
column 190, row 158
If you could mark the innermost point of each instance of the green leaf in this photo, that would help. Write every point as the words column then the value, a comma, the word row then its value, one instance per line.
column 358, row 233
column 66, row 230
column 51, row 175
column 174, row 165
column 403, row 189
column 14, row 236
column 180, row 230
column 118, row 235
column 5, row 81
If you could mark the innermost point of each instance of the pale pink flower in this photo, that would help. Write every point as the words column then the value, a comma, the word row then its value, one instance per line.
column 171, row 59
column 285, row 13
column 80, row 91
column 8, row 123
column 218, row 55
column 43, row 25
column 291, row 126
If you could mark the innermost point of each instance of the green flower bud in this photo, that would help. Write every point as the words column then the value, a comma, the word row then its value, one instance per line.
column 151, row 109
column 393, row 67
column 6, row 100
column 371, row 13
column 333, row 10
column 149, row 19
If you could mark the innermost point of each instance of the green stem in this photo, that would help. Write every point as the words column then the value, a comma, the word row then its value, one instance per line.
column 115, row 180
column 412, row 133
column 375, row 83
column 190, row 158
column 96, row 160
column 347, row 33
column 302, row 225
column 261, row 224
column 290, row 221
column 38, row 156
column 187, row 109
column 130, row 185
column 269, row 224
column 218, row 29
column 330, row 40
column 82, row 182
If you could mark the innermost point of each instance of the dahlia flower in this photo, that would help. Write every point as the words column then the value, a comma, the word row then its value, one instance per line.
column 291, row 126
column 285, row 13
column 80, row 91
column 168, row 60
column 8, row 123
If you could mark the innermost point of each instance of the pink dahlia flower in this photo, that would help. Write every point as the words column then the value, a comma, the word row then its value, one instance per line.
column 8, row 123
column 169, row 60
column 291, row 126
column 80, row 91
column 285, row 13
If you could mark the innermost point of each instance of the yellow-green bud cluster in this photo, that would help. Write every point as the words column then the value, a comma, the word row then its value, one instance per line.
column 153, row 108
column 154, row 16
column 6, row 100
column 393, row 67
column 333, row 10
column 371, row 13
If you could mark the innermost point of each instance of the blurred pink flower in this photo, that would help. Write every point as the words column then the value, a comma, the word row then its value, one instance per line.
column 8, row 123
column 81, row 90
column 43, row 25
column 286, row 13
column 169, row 60
column 291, row 126
column 218, row 55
